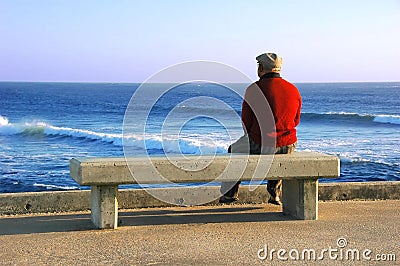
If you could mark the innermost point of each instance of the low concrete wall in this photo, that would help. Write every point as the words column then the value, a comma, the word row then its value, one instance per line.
column 360, row 190
column 66, row 201
column 37, row 202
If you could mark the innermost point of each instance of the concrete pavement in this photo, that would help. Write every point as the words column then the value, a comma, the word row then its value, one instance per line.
column 208, row 235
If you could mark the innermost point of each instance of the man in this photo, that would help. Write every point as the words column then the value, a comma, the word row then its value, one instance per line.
column 270, row 129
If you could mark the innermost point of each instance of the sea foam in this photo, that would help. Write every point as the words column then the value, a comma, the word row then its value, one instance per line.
column 3, row 121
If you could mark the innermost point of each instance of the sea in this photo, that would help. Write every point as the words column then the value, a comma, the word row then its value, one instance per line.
column 44, row 125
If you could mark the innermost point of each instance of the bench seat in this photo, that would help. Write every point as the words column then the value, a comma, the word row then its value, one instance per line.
column 299, row 171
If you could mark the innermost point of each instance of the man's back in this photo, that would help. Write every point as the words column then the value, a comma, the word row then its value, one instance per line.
column 285, row 103
column 279, row 120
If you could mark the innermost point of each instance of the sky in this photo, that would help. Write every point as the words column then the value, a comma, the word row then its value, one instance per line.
column 129, row 41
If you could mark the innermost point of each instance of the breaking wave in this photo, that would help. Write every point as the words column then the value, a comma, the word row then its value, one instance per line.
column 188, row 144
column 352, row 117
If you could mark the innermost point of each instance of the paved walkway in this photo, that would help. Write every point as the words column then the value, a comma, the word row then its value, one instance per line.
column 207, row 235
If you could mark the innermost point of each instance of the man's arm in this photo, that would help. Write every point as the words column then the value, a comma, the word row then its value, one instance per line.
column 247, row 113
column 297, row 118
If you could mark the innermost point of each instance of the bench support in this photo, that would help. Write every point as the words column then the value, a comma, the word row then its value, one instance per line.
column 104, row 206
column 300, row 198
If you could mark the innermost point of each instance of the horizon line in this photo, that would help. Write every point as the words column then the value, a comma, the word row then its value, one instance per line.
column 137, row 82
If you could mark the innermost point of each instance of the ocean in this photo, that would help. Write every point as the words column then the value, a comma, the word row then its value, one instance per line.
column 44, row 125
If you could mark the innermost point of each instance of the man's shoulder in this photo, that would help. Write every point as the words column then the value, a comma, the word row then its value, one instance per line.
column 287, row 82
column 255, row 84
column 273, row 82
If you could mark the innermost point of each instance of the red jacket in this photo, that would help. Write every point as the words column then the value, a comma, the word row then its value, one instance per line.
column 276, row 103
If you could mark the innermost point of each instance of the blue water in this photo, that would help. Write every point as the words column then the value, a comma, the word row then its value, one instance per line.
column 44, row 125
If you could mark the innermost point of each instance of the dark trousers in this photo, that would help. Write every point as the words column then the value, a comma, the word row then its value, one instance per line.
column 274, row 187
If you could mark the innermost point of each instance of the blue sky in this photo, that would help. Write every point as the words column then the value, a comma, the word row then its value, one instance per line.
column 128, row 41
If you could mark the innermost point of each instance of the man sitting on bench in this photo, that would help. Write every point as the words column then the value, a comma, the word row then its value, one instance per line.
column 268, row 129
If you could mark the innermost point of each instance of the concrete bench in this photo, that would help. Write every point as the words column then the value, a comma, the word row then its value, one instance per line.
column 299, row 171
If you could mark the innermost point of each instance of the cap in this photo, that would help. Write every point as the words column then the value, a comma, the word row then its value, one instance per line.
column 270, row 62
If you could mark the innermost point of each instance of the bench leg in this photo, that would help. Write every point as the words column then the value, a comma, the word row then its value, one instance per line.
column 300, row 198
column 104, row 206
